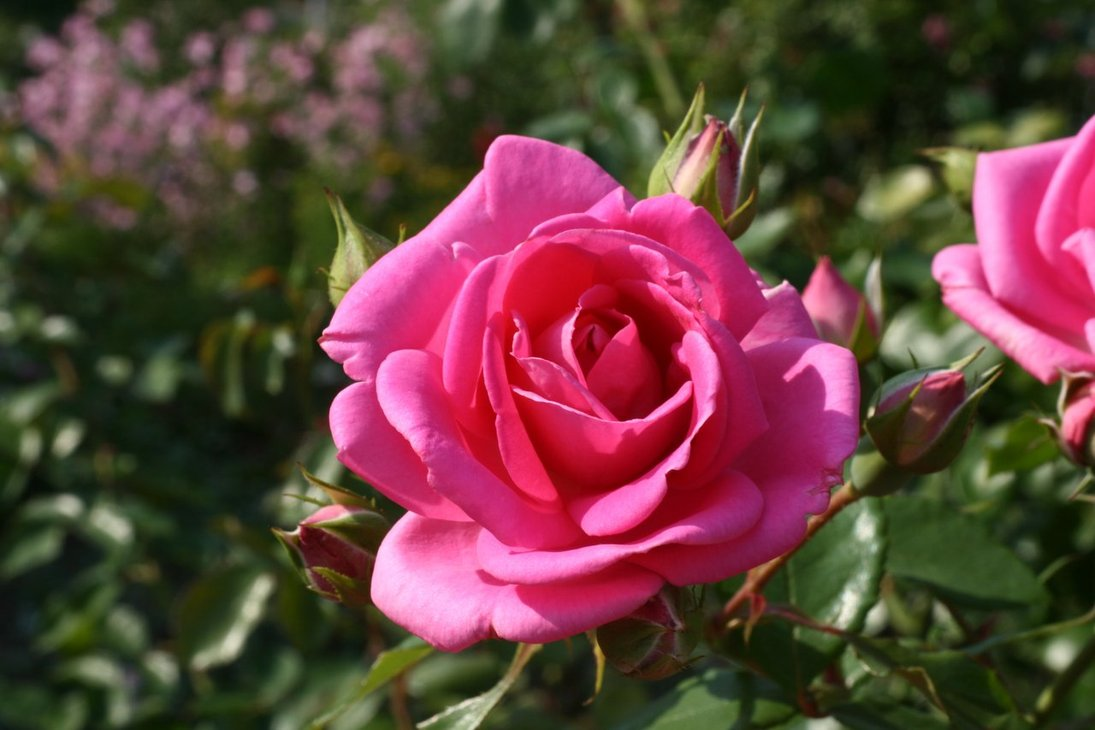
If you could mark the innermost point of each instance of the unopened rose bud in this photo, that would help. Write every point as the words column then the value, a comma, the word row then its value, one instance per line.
column 657, row 639
column 714, row 164
column 1076, row 434
column 921, row 418
column 334, row 550
column 840, row 313
column 358, row 249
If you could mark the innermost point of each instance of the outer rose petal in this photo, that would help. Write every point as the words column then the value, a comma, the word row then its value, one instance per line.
column 958, row 271
column 517, row 200
column 785, row 317
column 1069, row 203
column 361, row 334
column 1007, row 192
column 794, row 377
column 428, row 579
column 372, row 449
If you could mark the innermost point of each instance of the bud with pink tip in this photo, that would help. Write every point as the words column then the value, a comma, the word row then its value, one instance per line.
column 841, row 314
column 921, row 418
column 1076, row 433
column 334, row 550
column 714, row 164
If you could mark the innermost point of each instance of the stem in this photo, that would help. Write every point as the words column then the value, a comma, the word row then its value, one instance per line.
column 759, row 577
column 634, row 15
column 398, row 702
column 1053, row 695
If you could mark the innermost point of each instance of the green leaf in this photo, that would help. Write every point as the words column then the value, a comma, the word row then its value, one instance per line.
column 30, row 548
column 834, row 580
column 470, row 713
column 387, row 666
column 715, row 700
column 969, row 693
column 1020, row 445
column 884, row 715
column 895, row 193
column 219, row 612
column 955, row 556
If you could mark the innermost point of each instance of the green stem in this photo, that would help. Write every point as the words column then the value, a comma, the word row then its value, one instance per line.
column 1053, row 695
column 634, row 14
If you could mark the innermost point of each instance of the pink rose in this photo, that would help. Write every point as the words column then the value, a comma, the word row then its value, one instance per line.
column 578, row 397
column 1029, row 283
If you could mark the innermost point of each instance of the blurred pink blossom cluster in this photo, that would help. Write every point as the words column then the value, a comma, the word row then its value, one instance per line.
column 188, row 125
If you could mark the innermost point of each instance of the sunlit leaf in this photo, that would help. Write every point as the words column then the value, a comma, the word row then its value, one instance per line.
column 387, row 666
column 470, row 713
column 219, row 612
column 954, row 555
column 718, row 699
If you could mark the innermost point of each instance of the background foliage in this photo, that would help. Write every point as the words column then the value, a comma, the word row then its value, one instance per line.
column 159, row 381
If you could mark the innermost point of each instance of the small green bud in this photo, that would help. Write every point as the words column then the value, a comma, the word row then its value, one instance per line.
column 920, row 419
column 358, row 249
column 335, row 549
column 713, row 163
column 657, row 639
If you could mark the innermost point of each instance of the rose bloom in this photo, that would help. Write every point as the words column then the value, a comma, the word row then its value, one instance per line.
column 578, row 397
column 1029, row 283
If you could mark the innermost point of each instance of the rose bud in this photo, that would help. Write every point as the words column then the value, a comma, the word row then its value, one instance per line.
column 657, row 639
column 714, row 164
column 1076, row 432
column 358, row 249
column 840, row 313
column 334, row 550
column 921, row 418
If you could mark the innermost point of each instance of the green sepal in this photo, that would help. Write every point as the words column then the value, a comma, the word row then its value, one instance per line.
column 738, row 222
column 358, row 248
column 873, row 475
column 291, row 542
column 661, row 177
column 363, row 528
column 348, row 591
column 337, row 494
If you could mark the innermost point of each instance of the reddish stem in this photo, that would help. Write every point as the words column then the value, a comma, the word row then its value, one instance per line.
column 757, row 578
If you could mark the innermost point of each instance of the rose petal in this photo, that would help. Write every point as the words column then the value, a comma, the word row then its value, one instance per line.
column 372, row 449
column 1032, row 344
column 596, row 452
column 361, row 334
column 729, row 413
column 794, row 377
column 794, row 464
column 414, row 401
column 1069, row 202
column 427, row 579
column 517, row 200
column 1021, row 274
column 781, row 526
column 724, row 509
column 785, row 317
column 693, row 233
column 1081, row 247
column 516, row 449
